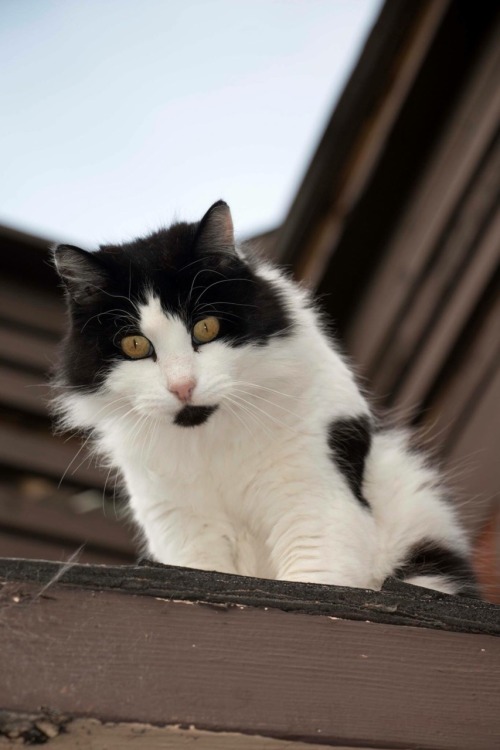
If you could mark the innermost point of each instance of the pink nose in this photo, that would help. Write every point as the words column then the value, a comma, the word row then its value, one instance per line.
column 183, row 389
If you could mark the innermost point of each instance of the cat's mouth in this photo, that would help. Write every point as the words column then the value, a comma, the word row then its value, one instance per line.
column 192, row 416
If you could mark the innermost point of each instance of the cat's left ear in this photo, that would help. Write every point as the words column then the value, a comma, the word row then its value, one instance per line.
column 82, row 273
column 216, row 232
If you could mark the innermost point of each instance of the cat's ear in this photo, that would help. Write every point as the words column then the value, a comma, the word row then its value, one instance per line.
column 83, row 275
column 216, row 232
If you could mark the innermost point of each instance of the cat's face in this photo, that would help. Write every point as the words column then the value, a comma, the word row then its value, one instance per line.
column 174, row 325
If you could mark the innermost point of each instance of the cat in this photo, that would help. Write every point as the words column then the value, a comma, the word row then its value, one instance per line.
column 206, row 377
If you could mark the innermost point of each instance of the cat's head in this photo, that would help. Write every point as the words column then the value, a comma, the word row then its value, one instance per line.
column 173, row 324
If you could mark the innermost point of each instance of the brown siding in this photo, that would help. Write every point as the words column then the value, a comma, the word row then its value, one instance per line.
column 43, row 477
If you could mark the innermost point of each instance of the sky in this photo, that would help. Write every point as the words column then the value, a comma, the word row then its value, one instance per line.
column 118, row 117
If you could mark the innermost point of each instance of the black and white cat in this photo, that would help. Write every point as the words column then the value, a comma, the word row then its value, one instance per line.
column 207, row 379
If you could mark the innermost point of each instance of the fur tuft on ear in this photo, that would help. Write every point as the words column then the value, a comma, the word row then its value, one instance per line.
column 83, row 275
column 215, row 232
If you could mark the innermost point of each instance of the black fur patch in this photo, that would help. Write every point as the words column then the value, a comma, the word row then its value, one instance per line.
column 430, row 558
column 189, row 283
column 192, row 416
column 349, row 441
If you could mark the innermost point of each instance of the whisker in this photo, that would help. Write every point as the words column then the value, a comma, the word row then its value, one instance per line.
column 237, row 403
column 238, row 417
column 121, row 314
column 220, row 302
column 193, row 262
column 273, row 403
column 213, row 309
column 222, row 281
column 202, row 270
column 264, row 387
column 265, row 413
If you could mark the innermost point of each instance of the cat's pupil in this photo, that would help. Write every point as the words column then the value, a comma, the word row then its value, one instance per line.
column 205, row 330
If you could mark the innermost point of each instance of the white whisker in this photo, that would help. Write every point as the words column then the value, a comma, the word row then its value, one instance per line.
column 262, row 411
column 237, row 403
column 228, row 401
column 263, row 387
column 273, row 403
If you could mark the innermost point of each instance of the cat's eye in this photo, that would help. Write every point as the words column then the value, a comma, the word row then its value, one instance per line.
column 206, row 330
column 136, row 347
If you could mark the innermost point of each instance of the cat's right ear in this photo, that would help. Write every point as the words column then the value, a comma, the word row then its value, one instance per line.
column 82, row 273
column 215, row 232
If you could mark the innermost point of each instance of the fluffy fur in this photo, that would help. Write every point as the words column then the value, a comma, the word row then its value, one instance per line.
column 272, row 465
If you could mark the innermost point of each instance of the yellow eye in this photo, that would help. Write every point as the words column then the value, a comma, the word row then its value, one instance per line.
column 205, row 330
column 136, row 347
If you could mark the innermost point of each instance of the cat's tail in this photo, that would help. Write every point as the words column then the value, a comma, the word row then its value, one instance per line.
column 420, row 538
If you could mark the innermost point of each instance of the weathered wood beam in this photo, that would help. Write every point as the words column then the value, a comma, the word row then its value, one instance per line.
column 297, row 662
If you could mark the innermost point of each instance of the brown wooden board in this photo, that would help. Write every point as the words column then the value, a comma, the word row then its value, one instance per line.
column 398, row 604
column 24, row 391
column 26, row 350
column 30, row 308
column 115, row 655
column 365, row 228
column 356, row 108
column 38, row 546
column 422, row 231
column 40, row 452
column 61, row 517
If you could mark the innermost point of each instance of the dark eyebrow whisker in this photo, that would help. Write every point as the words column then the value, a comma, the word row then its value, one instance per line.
column 235, row 304
column 222, row 281
column 196, row 276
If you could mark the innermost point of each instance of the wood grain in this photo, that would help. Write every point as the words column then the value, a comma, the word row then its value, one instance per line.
column 422, row 227
column 398, row 604
column 58, row 518
column 122, row 657
column 36, row 451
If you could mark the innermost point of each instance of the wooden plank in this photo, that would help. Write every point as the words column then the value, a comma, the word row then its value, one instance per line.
column 24, row 391
column 463, row 145
column 247, row 670
column 39, row 547
column 445, row 291
column 487, row 555
column 448, row 327
column 25, row 349
column 474, row 453
column 398, row 604
column 369, row 145
column 22, row 448
column 447, row 412
column 457, row 252
column 27, row 256
column 367, row 86
column 32, row 308
column 59, row 519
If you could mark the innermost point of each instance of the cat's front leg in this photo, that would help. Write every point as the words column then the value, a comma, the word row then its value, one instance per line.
column 176, row 536
column 320, row 539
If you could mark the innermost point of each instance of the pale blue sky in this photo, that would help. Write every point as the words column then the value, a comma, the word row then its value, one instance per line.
column 118, row 116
